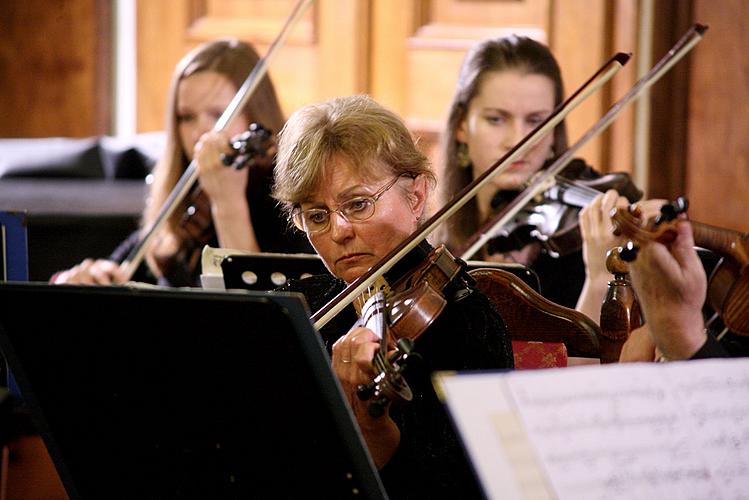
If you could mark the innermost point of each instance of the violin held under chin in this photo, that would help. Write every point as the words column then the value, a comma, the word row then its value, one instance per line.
column 552, row 217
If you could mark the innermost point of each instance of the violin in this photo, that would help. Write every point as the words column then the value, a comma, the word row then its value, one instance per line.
column 254, row 148
column 728, row 285
column 413, row 303
column 551, row 218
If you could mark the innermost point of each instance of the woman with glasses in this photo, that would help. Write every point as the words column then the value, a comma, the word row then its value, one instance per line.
column 349, row 175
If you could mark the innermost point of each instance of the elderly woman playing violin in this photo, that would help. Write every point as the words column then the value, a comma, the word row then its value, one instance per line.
column 350, row 176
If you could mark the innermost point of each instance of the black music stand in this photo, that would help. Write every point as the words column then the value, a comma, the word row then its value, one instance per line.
column 154, row 393
column 268, row 271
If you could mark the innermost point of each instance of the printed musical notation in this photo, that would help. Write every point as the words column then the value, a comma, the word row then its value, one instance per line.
column 675, row 430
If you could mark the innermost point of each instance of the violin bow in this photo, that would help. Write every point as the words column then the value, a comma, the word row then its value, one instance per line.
column 335, row 305
column 548, row 177
column 190, row 175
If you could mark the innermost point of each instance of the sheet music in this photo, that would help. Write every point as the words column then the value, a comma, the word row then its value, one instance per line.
column 673, row 430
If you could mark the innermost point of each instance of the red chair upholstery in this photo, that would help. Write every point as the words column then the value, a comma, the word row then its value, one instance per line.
column 531, row 354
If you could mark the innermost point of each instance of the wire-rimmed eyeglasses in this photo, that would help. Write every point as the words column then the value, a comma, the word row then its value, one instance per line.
column 358, row 209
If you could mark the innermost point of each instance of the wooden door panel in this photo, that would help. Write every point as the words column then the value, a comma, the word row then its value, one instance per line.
column 55, row 68
column 312, row 65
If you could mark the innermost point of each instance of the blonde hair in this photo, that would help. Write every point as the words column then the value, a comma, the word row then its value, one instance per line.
column 233, row 59
column 356, row 128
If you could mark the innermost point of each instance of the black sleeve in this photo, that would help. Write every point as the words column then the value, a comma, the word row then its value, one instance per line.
column 730, row 346
column 430, row 461
column 710, row 349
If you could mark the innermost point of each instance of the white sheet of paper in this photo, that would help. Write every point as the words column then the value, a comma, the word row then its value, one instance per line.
column 667, row 430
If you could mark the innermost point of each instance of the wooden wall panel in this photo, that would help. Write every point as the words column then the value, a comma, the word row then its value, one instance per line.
column 325, row 55
column 54, row 68
column 579, row 42
column 160, row 34
column 418, row 47
column 717, row 177
column 669, row 104
column 55, row 78
column 617, row 152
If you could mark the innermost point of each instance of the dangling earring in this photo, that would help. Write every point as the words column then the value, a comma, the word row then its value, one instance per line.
column 461, row 154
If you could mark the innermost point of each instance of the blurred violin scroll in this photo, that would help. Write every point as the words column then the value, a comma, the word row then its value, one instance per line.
column 254, row 148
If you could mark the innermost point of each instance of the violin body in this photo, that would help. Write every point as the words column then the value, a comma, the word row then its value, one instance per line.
column 552, row 218
column 417, row 298
column 728, row 294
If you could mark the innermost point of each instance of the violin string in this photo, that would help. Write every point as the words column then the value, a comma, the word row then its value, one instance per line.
column 721, row 334
column 585, row 193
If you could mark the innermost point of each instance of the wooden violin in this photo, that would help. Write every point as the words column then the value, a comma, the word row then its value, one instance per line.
column 728, row 286
column 413, row 303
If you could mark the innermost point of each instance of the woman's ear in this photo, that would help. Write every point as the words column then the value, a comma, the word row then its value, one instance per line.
column 461, row 132
column 417, row 195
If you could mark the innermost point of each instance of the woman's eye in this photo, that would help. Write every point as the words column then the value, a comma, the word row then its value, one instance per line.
column 317, row 217
column 357, row 205
column 185, row 117
column 535, row 120
column 495, row 120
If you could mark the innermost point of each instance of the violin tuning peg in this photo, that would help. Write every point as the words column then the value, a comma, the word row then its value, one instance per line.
column 681, row 204
column 377, row 407
column 670, row 211
column 227, row 160
column 365, row 391
column 628, row 252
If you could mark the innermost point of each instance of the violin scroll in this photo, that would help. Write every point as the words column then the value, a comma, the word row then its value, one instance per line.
column 254, row 147
column 628, row 222
column 389, row 385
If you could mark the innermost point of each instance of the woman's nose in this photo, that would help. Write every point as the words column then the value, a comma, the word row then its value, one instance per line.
column 520, row 131
column 513, row 135
column 340, row 228
column 206, row 123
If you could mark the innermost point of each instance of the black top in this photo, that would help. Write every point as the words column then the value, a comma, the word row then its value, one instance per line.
column 468, row 335
column 730, row 346
column 272, row 231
